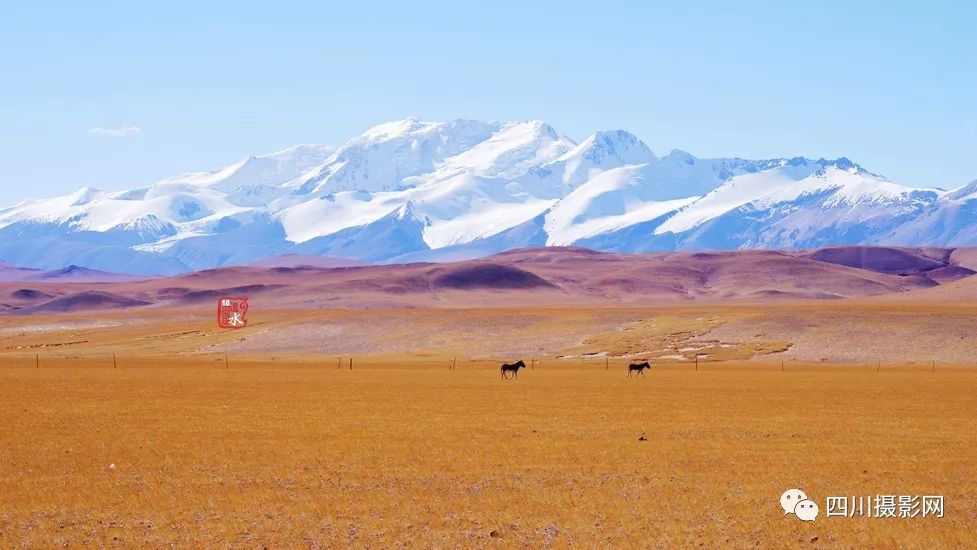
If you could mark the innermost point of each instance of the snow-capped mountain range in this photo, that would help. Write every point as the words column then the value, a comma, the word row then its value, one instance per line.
column 412, row 191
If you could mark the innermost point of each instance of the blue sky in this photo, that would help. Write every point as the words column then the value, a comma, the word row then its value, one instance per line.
column 891, row 85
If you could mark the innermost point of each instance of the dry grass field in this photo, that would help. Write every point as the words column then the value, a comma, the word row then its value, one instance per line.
column 202, row 437
column 402, row 452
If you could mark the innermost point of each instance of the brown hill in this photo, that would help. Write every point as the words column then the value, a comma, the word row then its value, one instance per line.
column 87, row 300
column 13, row 273
column 542, row 276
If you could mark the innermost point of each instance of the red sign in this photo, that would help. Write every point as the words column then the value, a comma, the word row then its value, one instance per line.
column 232, row 312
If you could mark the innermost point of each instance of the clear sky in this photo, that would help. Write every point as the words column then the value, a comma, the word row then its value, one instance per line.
column 119, row 95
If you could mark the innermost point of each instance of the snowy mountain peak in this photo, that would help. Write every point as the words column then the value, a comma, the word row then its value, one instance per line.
column 623, row 146
column 513, row 150
column 271, row 170
column 678, row 155
column 386, row 130
column 966, row 192
column 306, row 154
column 381, row 158
column 84, row 196
column 600, row 152
column 541, row 127
column 421, row 190
column 841, row 163
column 415, row 130
column 406, row 212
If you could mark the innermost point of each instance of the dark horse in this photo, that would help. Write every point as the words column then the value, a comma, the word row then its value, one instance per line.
column 640, row 367
column 513, row 368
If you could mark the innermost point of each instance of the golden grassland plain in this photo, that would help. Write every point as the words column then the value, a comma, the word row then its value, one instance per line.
column 281, row 454
column 267, row 447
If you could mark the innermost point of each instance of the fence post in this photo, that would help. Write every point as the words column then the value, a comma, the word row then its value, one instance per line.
column 350, row 363
column 339, row 365
column 227, row 363
column 37, row 361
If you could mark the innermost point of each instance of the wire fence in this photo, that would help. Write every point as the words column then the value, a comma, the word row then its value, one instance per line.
column 116, row 360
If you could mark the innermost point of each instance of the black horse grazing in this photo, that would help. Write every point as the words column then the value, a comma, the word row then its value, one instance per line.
column 513, row 368
column 640, row 367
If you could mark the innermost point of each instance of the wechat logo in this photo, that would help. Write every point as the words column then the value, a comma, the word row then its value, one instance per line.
column 795, row 501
